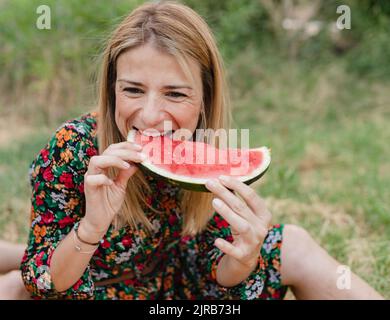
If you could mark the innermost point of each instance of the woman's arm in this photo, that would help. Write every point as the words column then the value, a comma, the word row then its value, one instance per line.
column 57, row 203
column 71, row 187
column 104, row 198
column 249, row 220
column 69, row 263
column 231, row 272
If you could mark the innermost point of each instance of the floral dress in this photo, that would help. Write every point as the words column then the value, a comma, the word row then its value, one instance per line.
column 185, row 265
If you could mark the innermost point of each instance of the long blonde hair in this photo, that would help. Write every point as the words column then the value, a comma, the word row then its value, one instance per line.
column 180, row 31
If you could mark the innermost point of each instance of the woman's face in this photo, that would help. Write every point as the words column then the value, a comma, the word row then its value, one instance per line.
column 152, row 88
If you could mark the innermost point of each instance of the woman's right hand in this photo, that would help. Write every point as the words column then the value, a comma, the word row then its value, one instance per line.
column 104, row 197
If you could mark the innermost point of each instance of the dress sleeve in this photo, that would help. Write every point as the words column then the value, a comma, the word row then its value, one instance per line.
column 57, row 203
column 252, row 287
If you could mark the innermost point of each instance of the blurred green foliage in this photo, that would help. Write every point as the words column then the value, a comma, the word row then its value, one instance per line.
column 41, row 67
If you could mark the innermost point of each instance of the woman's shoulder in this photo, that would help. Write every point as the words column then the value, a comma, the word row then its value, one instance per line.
column 69, row 148
column 76, row 135
column 84, row 126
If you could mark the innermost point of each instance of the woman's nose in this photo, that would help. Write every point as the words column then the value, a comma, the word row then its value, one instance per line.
column 151, row 111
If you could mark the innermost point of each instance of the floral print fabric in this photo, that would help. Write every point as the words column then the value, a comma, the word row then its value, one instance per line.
column 185, row 265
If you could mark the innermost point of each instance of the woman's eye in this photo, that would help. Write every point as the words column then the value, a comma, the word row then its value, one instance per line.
column 133, row 90
column 175, row 94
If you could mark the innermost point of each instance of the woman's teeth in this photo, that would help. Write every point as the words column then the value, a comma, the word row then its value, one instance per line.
column 154, row 133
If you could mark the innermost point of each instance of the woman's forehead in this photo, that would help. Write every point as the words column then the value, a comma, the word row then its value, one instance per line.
column 147, row 64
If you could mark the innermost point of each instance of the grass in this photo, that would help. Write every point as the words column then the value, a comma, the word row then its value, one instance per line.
column 329, row 135
column 328, row 132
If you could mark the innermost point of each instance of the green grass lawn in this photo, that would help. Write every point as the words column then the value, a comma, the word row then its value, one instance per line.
column 329, row 133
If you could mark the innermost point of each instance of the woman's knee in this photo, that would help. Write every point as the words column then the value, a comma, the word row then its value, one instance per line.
column 296, row 246
column 297, row 236
column 12, row 287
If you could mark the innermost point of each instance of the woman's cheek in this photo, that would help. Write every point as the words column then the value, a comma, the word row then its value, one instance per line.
column 186, row 115
column 191, row 118
column 122, row 114
column 121, row 103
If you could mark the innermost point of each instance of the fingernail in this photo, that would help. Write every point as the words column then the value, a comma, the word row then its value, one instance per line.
column 126, row 165
column 217, row 202
column 142, row 156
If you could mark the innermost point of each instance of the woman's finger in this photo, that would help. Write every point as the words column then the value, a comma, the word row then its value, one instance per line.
column 124, row 145
column 97, row 180
column 98, row 163
column 253, row 200
column 236, row 222
column 126, row 154
column 124, row 176
column 228, row 248
column 236, row 204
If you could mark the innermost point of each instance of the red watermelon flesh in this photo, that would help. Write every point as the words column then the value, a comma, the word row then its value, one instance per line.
column 190, row 164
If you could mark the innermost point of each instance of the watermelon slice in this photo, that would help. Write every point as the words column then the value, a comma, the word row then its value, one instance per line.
column 189, row 164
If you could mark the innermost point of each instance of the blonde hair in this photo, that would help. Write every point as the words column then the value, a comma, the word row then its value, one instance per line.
column 180, row 31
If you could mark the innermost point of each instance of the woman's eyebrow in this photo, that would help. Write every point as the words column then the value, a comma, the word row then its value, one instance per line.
column 183, row 86
column 179, row 86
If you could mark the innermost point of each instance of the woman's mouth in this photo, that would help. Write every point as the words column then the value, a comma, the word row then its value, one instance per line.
column 154, row 132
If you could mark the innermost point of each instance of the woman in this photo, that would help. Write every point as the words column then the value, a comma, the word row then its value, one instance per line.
column 103, row 230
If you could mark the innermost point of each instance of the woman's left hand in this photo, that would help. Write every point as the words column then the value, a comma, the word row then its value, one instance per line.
column 249, row 219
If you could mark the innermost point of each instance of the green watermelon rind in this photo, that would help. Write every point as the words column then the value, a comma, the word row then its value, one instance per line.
column 192, row 186
column 198, row 184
